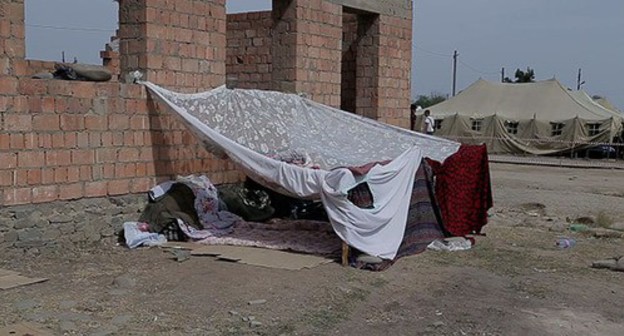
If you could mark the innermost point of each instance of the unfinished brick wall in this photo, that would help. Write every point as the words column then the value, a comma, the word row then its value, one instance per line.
column 66, row 140
column 248, row 54
column 307, row 44
column 62, row 140
column 178, row 44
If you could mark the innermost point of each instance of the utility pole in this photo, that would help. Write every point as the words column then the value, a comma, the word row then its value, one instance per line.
column 578, row 81
column 455, row 54
column 503, row 75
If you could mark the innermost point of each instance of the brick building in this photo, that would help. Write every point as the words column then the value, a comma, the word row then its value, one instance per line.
column 92, row 142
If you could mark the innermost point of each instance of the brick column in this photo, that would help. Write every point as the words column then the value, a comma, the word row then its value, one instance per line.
column 180, row 45
column 394, row 70
column 367, row 66
column 12, row 45
column 307, row 44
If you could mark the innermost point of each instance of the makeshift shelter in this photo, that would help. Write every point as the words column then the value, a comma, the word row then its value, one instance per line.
column 341, row 152
column 536, row 118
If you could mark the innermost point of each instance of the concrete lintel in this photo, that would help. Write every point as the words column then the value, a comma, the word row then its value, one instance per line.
column 398, row 8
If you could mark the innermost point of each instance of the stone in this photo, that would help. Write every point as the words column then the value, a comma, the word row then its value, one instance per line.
column 10, row 237
column 438, row 324
column 254, row 324
column 24, row 223
column 26, row 304
column 67, row 326
column 29, row 235
column 21, row 213
column 60, row 219
column 124, row 282
column 234, row 313
column 67, row 229
column 51, row 234
column 121, row 319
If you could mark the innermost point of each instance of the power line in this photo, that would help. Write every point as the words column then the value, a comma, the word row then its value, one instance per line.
column 432, row 52
column 475, row 69
column 71, row 28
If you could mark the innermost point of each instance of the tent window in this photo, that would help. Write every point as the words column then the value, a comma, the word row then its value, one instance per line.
column 361, row 196
column 557, row 128
column 476, row 124
column 593, row 129
column 512, row 127
column 438, row 123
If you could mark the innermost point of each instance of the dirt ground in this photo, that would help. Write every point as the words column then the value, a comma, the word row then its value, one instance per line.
column 515, row 281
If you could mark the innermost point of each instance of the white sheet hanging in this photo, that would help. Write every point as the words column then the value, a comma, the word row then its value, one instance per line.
column 377, row 231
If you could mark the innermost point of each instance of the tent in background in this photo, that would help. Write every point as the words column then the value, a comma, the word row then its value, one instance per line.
column 535, row 118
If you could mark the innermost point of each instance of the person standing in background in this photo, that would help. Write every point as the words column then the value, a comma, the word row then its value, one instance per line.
column 429, row 123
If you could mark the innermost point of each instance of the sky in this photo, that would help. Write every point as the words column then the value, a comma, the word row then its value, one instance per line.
column 553, row 37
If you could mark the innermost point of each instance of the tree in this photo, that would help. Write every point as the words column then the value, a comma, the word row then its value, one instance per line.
column 527, row 76
column 430, row 100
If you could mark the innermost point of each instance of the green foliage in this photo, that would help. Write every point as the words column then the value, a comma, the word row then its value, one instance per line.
column 527, row 76
column 430, row 100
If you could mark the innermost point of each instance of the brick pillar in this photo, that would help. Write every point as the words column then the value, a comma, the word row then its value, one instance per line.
column 307, row 44
column 394, row 70
column 180, row 45
column 12, row 46
column 349, row 62
column 367, row 66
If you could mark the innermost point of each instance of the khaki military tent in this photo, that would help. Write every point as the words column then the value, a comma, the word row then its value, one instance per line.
column 536, row 118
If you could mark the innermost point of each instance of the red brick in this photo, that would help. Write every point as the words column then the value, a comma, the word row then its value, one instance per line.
column 83, row 89
column 34, row 176
column 71, row 191
column 82, row 140
column 8, row 160
column 108, row 170
column 105, row 155
column 71, row 122
column 85, row 173
column 8, row 85
column 73, row 174
column 17, row 122
column 17, row 196
column 47, row 176
column 128, row 139
column 118, row 187
column 32, row 87
column 45, row 194
column 6, row 178
column 118, row 122
column 48, row 105
column 46, row 122
column 5, row 141
column 82, row 156
column 95, row 189
column 30, row 159
column 57, row 158
column 58, row 140
column 60, row 175
column 99, row 123
column 70, row 140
